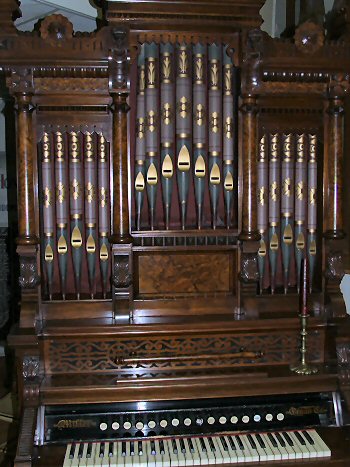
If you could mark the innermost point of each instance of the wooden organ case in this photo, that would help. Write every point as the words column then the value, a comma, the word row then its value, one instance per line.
column 174, row 169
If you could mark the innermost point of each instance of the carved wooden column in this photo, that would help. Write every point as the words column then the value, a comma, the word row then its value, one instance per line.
column 21, row 86
column 120, row 239
column 249, row 235
column 333, row 183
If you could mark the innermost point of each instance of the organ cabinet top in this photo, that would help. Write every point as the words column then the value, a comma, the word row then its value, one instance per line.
column 175, row 168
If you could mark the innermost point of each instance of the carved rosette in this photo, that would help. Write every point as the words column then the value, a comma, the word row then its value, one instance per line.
column 121, row 272
column 335, row 267
column 56, row 30
column 30, row 367
column 29, row 277
column 249, row 268
column 309, row 37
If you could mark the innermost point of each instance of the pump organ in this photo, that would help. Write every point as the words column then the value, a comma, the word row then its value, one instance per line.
column 174, row 169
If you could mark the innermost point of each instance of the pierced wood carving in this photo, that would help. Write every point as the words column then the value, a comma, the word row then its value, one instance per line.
column 107, row 355
column 29, row 277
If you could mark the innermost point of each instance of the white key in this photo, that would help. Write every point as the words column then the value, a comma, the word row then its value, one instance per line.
column 232, row 452
column 302, row 450
column 128, row 458
column 188, row 455
column 165, row 454
column 96, row 458
column 218, row 454
column 159, row 455
column 113, row 460
column 91, row 460
column 195, row 454
column 270, row 455
column 154, row 458
column 324, row 450
column 311, row 446
column 261, row 450
column 202, row 454
column 142, row 457
column 278, row 449
column 225, row 455
column 248, row 453
column 82, row 460
column 120, row 457
column 67, row 461
column 105, row 458
column 240, row 453
column 210, row 453
column 180, row 455
column 290, row 449
column 75, row 460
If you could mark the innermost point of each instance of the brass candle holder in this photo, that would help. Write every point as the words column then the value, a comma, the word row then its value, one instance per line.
column 303, row 368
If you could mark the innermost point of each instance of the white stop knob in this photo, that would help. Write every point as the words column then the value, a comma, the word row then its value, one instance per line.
column 222, row 420
column 103, row 426
column 139, row 425
column 280, row 417
column 269, row 417
column 234, row 419
column 151, row 424
column 175, row 422
column 187, row 421
column 115, row 426
column 211, row 420
column 163, row 423
column 245, row 419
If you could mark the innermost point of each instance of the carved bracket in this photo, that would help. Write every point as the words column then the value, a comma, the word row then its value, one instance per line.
column 118, row 64
column 30, row 367
column 21, row 80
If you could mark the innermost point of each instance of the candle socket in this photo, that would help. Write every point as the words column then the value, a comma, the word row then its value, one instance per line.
column 303, row 368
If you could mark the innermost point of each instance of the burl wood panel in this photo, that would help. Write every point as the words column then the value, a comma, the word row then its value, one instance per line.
column 180, row 274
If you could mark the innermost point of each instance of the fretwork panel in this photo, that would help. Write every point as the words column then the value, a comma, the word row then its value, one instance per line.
column 287, row 209
column 185, row 163
column 75, row 214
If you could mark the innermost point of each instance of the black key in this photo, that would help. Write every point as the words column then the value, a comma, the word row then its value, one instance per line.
column 280, row 440
column 201, row 440
column 240, row 444
column 252, row 442
column 110, row 450
column 140, row 448
column 132, row 448
column 211, row 444
column 273, row 440
column 232, row 443
column 161, row 446
column 182, row 446
column 300, row 438
column 89, row 450
column 153, row 448
column 224, row 444
column 308, row 437
column 102, row 449
column 123, row 448
column 190, row 445
column 81, row 449
column 260, row 441
column 72, row 451
column 288, row 438
column 173, row 442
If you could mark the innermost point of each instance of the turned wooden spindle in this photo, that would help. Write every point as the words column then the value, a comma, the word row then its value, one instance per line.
column 26, row 218
column 120, row 171
column 334, row 170
column 249, row 168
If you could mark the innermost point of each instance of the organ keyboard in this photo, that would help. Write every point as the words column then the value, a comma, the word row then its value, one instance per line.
column 217, row 449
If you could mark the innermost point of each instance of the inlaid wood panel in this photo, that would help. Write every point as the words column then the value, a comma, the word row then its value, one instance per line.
column 182, row 273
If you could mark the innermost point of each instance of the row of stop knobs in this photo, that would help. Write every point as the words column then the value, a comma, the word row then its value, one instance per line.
column 151, row 424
